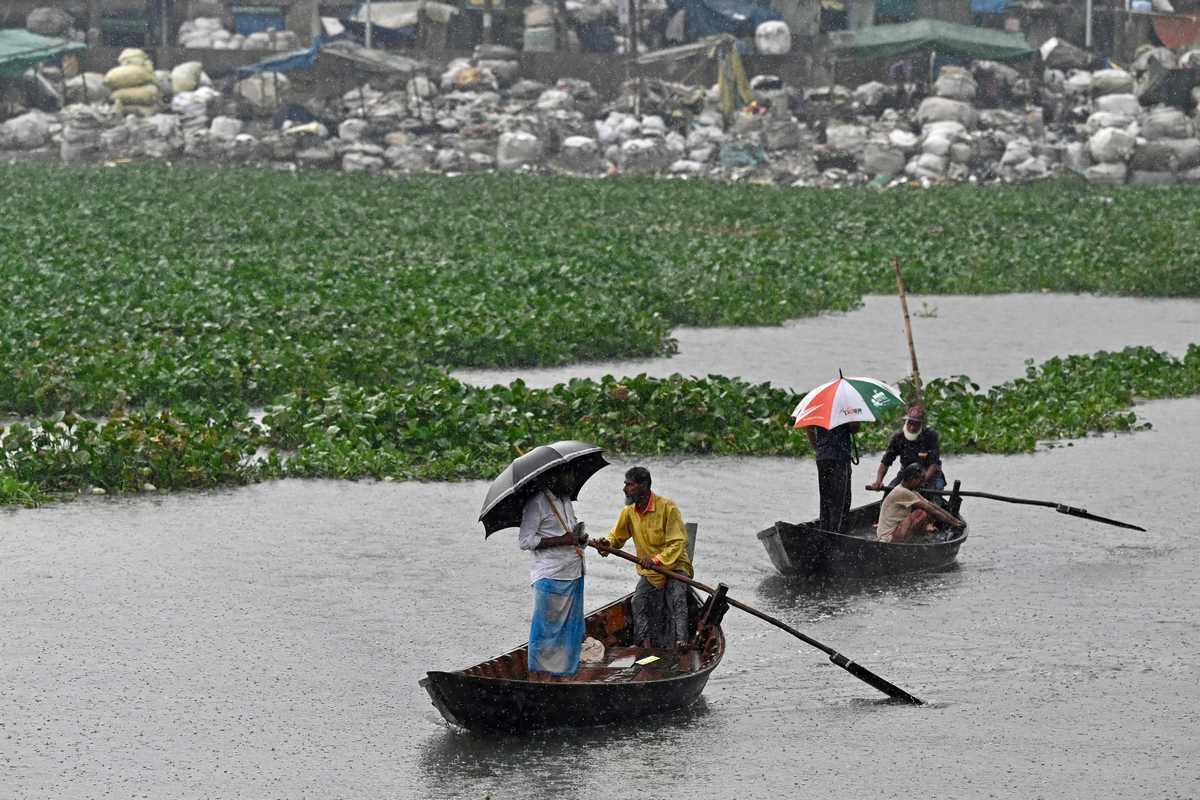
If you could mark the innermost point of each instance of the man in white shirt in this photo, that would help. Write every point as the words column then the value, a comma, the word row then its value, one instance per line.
column 555, row 539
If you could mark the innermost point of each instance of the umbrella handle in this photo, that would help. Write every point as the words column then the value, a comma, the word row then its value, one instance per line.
column 561, row 521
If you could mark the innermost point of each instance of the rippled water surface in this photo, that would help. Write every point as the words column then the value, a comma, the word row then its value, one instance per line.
column 267, row 641
column 987, row 338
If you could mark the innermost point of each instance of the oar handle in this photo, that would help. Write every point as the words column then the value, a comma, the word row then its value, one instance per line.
column 676, row 576
column 857, row 670
column 679, row 576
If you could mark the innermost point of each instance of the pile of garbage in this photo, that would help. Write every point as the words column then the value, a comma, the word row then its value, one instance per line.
column 985, row 123
column 1117, row 139
column 207, row 33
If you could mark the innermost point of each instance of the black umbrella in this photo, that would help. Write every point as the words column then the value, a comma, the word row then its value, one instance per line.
column 527, row 474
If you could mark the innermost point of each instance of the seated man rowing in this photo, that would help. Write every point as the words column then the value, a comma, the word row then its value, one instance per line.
column 904, row 513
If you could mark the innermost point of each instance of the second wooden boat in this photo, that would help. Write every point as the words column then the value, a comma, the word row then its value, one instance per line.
column 805, row 550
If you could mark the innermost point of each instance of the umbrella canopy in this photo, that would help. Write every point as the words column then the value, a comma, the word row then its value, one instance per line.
column 527, row 474
column 844, row 400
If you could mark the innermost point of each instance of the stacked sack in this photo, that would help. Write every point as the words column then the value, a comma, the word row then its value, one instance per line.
column 195, row 108
column 1166, row 149
column 133, row 84
column 1113, row 126
column 207, row 33
column 946, row 121
column 83, row 126
column 188, row 77
column 87, row 88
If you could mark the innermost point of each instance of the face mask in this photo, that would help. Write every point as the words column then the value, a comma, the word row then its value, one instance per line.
column 912, row 435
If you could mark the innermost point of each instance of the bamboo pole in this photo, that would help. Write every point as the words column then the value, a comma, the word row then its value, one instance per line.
column 912, row 350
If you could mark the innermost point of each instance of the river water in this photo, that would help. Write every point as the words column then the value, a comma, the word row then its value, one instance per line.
column 267, row 641
column 987, row 338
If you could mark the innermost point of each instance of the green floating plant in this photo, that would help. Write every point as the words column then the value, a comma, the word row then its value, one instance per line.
column 165, row 303
column 156, row 286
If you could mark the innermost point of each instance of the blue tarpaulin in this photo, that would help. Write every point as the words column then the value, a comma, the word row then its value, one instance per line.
column 297, row 59
column 989, row 6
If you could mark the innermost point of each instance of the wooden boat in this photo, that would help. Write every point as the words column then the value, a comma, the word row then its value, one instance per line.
column 498, row 695
column 806, row 550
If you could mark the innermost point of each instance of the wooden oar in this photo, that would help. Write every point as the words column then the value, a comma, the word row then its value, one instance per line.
column 857, row 670
column 1059, row 507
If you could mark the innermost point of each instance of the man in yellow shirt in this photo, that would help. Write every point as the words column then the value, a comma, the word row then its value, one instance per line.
column 660, row 608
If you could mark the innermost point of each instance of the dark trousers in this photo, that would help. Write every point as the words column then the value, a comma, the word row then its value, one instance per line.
column 833, row 481
column 660, row 615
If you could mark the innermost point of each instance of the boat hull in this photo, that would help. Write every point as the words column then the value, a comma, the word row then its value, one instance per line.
column 498, row 695
column 513, row 706
column 805, row 550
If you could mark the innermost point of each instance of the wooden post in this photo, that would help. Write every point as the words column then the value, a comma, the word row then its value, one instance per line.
column 635, row 28
column 912, row 351
column 488, row 36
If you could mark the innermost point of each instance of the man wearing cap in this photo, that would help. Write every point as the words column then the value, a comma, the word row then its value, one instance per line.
column 915, row 443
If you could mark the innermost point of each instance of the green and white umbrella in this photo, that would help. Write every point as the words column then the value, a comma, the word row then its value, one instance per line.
column 845, row 400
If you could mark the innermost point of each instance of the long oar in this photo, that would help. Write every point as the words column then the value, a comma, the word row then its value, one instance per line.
column 1059, row 507
column 857, row 670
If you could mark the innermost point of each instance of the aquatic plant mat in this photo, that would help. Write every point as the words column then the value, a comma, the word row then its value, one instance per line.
column 168, row 302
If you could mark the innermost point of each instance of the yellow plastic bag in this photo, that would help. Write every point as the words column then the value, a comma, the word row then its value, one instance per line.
column 466, row 78
column 128, row 76
column 137, row 96
column 186, row 77
column 132, row 55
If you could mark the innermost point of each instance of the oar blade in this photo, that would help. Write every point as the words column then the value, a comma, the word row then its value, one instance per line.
column 1082, row 513
column 866, row 676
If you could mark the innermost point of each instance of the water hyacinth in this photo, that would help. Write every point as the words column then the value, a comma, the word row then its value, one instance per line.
column 166, row 303
column 441, row 429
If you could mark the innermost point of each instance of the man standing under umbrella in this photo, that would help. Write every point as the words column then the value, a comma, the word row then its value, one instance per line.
column 829, row 414
column 555, row 538
column 660, row 607
column 834, row 455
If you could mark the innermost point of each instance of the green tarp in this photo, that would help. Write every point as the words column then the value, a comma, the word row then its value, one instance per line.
column 20, row 50
column 896, row 10
column 892, row 41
